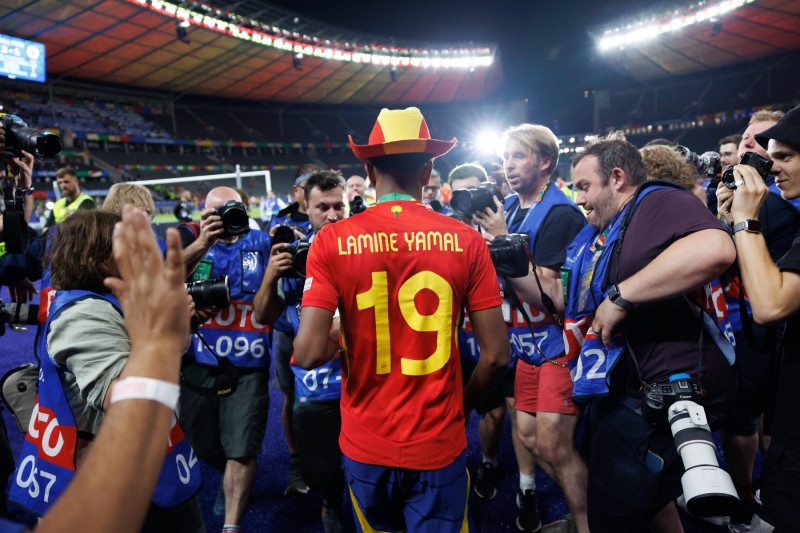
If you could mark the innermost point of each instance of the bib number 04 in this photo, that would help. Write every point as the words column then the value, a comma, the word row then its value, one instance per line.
column 440, row 321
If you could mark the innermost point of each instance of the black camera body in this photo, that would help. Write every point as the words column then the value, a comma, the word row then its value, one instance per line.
column 657, row 397
column 299, row 253
column 509, row 254
column 357, row 205
column 234, row 218
column 762, row 165
column 467, row 202
column 211, row 292
column 40, row 144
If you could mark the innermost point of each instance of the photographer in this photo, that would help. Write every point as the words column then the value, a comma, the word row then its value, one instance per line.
column 316, row 419
column 773, row 289
column 757, row 345
column 640, row 294
column 492, row 408
column 295, row 217
column 227, row 431
column 17, row 270
column 83, row 349
column 546, row 415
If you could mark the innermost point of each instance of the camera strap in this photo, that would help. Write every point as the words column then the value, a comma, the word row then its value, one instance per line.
column 227, row 378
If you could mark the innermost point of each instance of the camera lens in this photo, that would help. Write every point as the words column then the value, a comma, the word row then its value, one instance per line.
column 210, row 293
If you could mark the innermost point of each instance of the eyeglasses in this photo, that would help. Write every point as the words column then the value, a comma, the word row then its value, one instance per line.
column 430, row 188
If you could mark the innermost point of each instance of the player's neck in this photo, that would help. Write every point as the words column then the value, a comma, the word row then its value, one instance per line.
column 395, row 188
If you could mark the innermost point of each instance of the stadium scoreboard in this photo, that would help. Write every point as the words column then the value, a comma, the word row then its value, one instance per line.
column 21, row 59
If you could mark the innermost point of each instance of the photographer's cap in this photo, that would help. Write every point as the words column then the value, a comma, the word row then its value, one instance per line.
column 786, row 130
column 400, row 131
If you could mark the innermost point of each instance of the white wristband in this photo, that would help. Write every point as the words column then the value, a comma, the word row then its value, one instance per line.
column 139, row 388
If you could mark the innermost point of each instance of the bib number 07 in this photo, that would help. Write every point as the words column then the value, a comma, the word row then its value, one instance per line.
column 440, row 321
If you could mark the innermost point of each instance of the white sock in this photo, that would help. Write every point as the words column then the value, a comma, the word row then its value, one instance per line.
column 526, row 482
column 491, row 460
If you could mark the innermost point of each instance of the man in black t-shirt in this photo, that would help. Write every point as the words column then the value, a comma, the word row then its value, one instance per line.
column 774, row 293
column 672, row 247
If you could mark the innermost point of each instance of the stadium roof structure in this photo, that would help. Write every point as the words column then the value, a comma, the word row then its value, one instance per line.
column 255, row 51
column 701, row 36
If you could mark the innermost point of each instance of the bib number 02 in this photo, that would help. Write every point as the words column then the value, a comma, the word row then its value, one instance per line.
column 440, row 321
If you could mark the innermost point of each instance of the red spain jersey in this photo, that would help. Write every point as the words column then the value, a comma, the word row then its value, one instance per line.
column 399, row 274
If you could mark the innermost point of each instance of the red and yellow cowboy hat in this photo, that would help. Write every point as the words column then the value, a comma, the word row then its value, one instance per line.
column 400, row 131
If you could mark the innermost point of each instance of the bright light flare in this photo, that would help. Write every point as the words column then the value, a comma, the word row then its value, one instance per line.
column 488, row 142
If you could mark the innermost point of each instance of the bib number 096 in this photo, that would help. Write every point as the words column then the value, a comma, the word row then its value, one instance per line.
column 440, row 321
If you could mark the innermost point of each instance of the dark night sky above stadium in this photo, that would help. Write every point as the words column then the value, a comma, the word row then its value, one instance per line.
column 546, row 51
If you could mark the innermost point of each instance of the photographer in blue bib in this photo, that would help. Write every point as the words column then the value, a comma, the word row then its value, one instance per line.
column 83, row 349
column 316, row 420
column 546, row 416
column 633, row 319
column 226, row 431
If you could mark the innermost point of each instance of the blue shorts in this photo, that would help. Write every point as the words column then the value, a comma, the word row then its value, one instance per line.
column 387, row 499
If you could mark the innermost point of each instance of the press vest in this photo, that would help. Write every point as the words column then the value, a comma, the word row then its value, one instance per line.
column 584, row 276
column 234, row 333
column 548, row 333
column 61, row 209
column 49, row 451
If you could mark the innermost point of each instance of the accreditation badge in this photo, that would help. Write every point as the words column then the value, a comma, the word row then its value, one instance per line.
column 203, row 271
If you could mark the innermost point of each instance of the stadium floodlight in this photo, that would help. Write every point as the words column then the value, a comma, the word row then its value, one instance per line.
column 199, row 14
column 631, row 34
column 488, row 142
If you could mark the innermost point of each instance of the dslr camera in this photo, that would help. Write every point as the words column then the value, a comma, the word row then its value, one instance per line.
column 234, row 218
column 467, row 202
column 707, row 488
column 357, row 205
column 299, row 253
column 762, row 165
column 40, row 144
column 707, row 164
column 509, row 254
column 211, row 292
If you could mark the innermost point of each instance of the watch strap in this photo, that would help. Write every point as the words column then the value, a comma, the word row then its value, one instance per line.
column 750, row 224
column 615, row 296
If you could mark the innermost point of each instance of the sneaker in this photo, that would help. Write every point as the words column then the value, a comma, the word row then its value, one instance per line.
column 561, row 526
column 756, row 525
column 528, row 519
column 219, row 502
column 331, row 518
column 296, row 484
column 716, row 520
column 486, row 481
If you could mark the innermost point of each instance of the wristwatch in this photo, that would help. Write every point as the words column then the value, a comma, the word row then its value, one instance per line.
column 616, row 297
column 752, row 225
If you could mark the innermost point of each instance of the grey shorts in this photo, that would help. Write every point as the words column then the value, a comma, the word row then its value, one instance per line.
column 231, row 427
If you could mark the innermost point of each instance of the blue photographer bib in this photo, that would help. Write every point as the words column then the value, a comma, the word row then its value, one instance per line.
column 547, row 333
column 321, row 383
column 234, row 333
column 584, row 277
column 468, row 345
column 49, row 452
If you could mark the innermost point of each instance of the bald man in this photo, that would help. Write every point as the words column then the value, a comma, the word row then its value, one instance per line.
column 227, row 432
column 356, row 186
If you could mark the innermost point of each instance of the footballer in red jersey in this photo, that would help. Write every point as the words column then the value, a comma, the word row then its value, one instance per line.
column 400, row 274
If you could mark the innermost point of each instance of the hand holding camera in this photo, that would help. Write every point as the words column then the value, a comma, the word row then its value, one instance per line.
column 492, row 220
column 750, row 194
